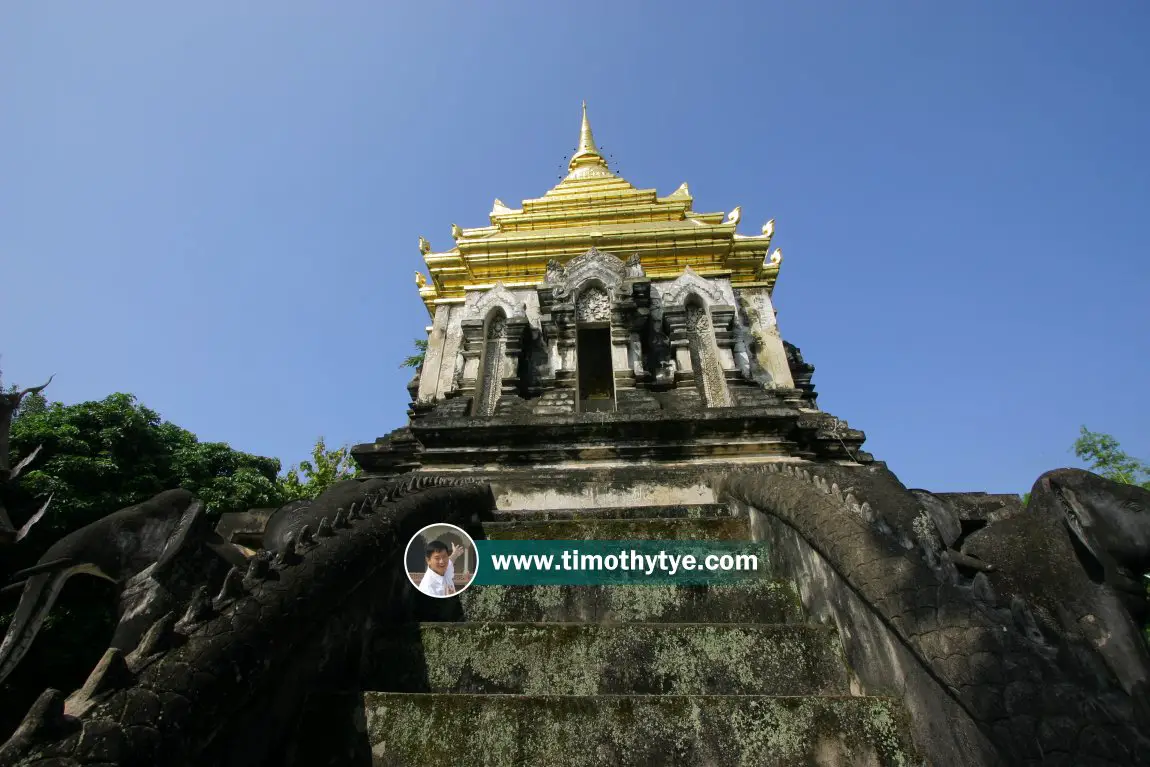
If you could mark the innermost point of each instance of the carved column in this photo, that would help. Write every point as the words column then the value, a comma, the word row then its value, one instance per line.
column 722, row 320
column 639, row 318
column 493, row 364
column 676, row 320
column 704, row 355
column 471, row 348
column 565, row 342
column 512, row 352
column 433, row 359
column 622, row 358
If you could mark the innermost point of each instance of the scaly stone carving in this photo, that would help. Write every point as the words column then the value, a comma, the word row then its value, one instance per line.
column 285, row 626
column 137, row 548
column 1024, row 624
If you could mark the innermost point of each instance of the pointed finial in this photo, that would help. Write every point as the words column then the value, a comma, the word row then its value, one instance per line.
column 587, row 154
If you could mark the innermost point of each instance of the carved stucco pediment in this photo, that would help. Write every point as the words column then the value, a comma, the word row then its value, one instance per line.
column 675, row 292
column 478, row 303
column 593, row 305
column 592, row 266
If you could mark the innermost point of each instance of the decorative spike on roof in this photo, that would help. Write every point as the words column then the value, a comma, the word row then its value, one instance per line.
column 593, row 207
column 587, row 162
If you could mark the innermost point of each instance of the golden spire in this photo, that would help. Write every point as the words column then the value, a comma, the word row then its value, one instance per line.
column 587, row 155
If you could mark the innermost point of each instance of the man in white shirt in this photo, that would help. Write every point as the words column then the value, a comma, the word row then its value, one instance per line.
column 439, row 580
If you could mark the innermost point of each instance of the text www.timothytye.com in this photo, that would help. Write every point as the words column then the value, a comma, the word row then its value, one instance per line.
column 632, row 561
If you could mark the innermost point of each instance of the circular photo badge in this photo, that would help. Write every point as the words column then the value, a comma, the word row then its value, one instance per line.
column 441, row 560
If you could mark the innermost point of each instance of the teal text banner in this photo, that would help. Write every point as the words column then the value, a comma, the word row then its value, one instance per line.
column 596, row 563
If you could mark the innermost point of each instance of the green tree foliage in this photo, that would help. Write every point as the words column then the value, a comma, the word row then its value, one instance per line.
column 416, row 360
column 1107, row 459
column 99, row 457
column 325, row 468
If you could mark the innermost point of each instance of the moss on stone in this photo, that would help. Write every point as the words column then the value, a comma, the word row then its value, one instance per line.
column 749, row 601
column 498, row 730
column 589, row 659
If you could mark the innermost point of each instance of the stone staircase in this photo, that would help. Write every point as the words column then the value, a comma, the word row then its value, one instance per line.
column 628, row 675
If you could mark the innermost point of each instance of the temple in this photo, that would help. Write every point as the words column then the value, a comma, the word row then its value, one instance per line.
column 604, row 364
column 601, row 298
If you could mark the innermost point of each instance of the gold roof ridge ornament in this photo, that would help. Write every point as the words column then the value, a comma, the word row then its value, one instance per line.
column 592, row 207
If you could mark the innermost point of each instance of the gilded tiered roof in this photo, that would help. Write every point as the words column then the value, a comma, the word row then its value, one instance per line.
column 594, row 207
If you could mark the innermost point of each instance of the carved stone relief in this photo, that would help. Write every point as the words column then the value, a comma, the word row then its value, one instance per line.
column 705, row 360
column 675, row 292
column 593, row 305
column 634, row 267
column 566, row 280
column 494, row 348
column 478, row 304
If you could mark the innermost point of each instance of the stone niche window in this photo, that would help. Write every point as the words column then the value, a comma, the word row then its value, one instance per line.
column 491, row 367
column 596, row 380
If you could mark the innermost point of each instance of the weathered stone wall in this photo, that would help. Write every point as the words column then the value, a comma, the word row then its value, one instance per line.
column 881, row 662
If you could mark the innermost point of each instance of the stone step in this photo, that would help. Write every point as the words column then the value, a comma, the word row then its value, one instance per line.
column 638, row 731
column 673, row 511
column 619, row 659
column 759, row 601
column 725, row 529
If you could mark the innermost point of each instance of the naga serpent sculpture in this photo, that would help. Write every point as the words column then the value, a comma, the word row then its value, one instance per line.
column 1022, row 620
column 144, row 542
column 1023, row 624
column 220, row 679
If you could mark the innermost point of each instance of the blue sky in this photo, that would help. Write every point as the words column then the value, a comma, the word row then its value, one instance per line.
column 216, row 205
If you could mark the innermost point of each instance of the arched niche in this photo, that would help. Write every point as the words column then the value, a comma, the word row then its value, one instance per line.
column 479, row 304
column 675, row 293
column 491, row 362
column 593, row 353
